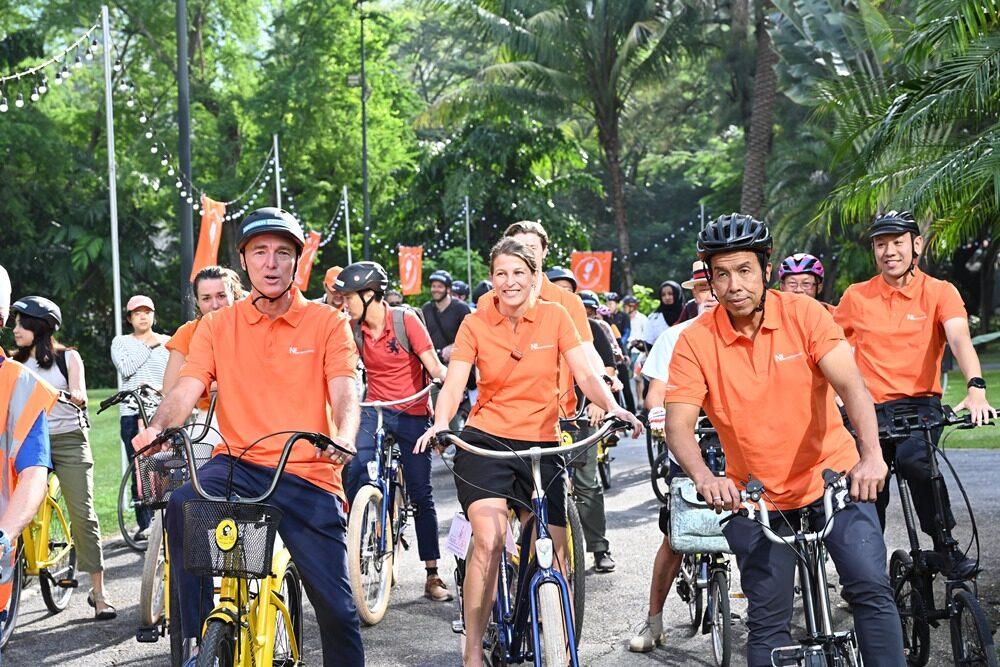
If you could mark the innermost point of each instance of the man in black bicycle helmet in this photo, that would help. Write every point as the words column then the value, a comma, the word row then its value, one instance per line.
column 443, row 314
column 460, row 289
column 562, row 277
column 482, row 288
column 766, row 378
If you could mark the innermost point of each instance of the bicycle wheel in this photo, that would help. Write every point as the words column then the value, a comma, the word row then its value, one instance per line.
column 291, row 594
column 177, row 644
column 57, row 597
column 218, row 649
column 971, row 640
column 151, row 589
column 658, row 476
column 912, row 608
column 553, row 628
column 577, row 567
column 399, row 517
column 14, row 603
column 127, row 523
column 695, row 594
column 721, row 619
column 370, row 571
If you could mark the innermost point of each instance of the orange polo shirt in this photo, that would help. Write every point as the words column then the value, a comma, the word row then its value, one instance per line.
column 771, row 405
column 526, row 406
column 272, row 376
column 181, row 342
column 898, row 334
column 574, row 306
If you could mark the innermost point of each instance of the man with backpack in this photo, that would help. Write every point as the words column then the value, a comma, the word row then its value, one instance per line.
column 398, row 356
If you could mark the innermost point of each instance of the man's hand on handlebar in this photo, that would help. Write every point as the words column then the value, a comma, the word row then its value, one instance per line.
column 145, row 438
column 657, row 419
column 336, row 455
column 428, row 439
column 980, row 410
column 868, row 478
column 719, row 492
column 595, row 414
column 621, row 413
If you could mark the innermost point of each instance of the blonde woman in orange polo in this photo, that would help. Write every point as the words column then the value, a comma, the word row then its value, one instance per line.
column 518, row 408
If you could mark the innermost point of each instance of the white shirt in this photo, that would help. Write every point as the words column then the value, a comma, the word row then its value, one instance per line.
column 655, row 325
column 657, row 366
column 638, row 327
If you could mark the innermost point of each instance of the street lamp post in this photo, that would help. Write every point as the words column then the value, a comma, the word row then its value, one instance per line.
column 184, row 154
column 364, row 139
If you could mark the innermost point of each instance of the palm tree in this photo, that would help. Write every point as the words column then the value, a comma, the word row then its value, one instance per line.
column 765, row 89
column 585, row 55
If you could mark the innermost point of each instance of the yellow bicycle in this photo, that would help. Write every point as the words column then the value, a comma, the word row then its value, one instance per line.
column 258, row 620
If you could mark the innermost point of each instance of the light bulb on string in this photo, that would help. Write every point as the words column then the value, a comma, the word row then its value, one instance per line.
column 43, row 86
column 170, row 171
column 130, row 103
column 64, row 72
column 190, row 200
column 122, row 86
column 3, row 104
column 178, row 183
column 77, row 62
column 149, row 134
column 118, row 65
column 164, row 161
column 153, row 149
column 35, row 94
column 183, row 192
column 143, row 118
column 19, row 102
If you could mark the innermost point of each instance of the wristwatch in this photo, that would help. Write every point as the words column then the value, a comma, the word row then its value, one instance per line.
column 976, row 383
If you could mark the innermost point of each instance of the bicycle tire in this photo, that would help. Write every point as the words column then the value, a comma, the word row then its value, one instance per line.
column 604, row 471
column 177, row 643
column 398, row 524
column 14, row 603
column 552, row 621
column 722, row 620
column 56, row 597
column 911, row 607
column 151, row 591
column 577, row 578
column 127, row 523
column 291, row 593
column 658, row 476
column 218, row 649
column 362, row 528
column 971, row 639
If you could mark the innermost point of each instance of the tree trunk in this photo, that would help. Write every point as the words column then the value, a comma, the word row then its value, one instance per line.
column 761, row 118
column 608, row 136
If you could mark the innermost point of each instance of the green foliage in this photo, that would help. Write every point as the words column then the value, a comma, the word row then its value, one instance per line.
column 649, row 299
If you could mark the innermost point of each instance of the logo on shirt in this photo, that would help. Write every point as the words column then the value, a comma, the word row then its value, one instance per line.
column 915, row 318
column 536, row 346
column 787, row 357
column 295, row 350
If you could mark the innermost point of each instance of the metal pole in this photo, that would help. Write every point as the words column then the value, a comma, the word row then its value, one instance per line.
column 702, row 216
column 184, row 154
column 468, row 243
column 364, row 140
column 347, row 223
column 277, row 173
column 109, row 116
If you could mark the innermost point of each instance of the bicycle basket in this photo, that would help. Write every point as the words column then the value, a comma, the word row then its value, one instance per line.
column 156, row 477
column 223, row 539
column 694, row 526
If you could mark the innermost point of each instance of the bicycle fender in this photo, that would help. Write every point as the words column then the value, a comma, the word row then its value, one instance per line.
column 279, row 563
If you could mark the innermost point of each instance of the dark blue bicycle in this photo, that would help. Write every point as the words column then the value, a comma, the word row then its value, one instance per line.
column 532, row 619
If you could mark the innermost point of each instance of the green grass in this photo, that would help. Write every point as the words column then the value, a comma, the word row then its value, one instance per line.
column 105, row 444
column 986, row 438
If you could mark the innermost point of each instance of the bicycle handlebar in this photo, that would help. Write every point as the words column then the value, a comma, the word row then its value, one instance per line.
column 140, row 395
column 904, row 421
column 610, row 425
column 409, row 399
column 835, row 489
column 178, row 437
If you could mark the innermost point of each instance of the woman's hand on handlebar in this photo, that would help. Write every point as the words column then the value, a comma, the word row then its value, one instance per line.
column 868, row 478
column 621, row 413
column 428, row 438
column 719, row 492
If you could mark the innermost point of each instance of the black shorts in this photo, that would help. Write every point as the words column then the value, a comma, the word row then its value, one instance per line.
column 478, row 478
column 675, row 470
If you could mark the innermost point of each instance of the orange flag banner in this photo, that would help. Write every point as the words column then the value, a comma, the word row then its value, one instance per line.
column 306, row 260
column 411, row 266
column 592, row 270
column 209, row 236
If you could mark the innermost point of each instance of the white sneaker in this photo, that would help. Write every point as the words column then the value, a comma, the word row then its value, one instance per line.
column 650, row 635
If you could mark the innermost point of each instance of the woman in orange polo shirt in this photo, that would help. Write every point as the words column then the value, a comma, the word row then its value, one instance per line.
column 518, row 408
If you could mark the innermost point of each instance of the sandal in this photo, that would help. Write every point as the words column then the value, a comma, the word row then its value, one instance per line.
column 108, row 614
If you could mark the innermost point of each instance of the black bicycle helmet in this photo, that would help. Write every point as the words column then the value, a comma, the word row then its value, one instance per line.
column 589, row 298
column 482, row 288
column 893, row 222
column 733, row 232
column 460, row 287
column 361, row 276
column 271, row 220
column 628, row 298
column 561, row 273
column 441, row 276
column 39, row 307
column 611, row 296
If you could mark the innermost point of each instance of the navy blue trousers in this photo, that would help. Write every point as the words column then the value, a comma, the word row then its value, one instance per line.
column 313, row 529
column 767, row 573
column 416, row 471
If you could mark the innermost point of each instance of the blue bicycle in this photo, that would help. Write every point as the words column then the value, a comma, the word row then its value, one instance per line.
column 379, row 514
column 532, row 619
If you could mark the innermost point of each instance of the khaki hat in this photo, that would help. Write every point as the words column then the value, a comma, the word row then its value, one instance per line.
column 699, row 273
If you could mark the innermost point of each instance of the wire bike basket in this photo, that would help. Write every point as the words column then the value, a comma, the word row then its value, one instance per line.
column 157, row 476
column 226, row 539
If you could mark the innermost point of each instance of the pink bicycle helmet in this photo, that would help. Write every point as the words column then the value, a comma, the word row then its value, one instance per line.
column 603, row 311
column 800, row 262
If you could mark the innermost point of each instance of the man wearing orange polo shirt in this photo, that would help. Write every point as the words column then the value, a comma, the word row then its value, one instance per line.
column 331, row 297
column 898, row 323
column 281, row 363
column 765, row 367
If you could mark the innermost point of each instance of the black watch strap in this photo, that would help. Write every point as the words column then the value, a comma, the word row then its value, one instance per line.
column 976, row 383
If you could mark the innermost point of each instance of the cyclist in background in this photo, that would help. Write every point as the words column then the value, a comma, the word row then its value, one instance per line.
column 330, row 296
column 667, row 562
column 899, row 322
column 394, row 372
column 765, row 367
column 282, row 363
column 37, row 320
column 443, row 314
column 802, row 273
column 517, row 342
column 393, row 297
column 460, row 289
column 482, row 288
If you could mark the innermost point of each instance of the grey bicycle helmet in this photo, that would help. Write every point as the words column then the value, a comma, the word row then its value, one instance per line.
column 39, row 307
column 561, row 273
column 271, row 220
column 589, row 299
column 893, row 222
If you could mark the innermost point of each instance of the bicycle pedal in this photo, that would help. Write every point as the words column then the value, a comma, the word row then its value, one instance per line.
column 149, row 635
column 458, row 627
column 68, row 583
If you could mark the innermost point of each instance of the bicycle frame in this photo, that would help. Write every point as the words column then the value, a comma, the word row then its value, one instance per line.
column 38, row 558
column 384, row 479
